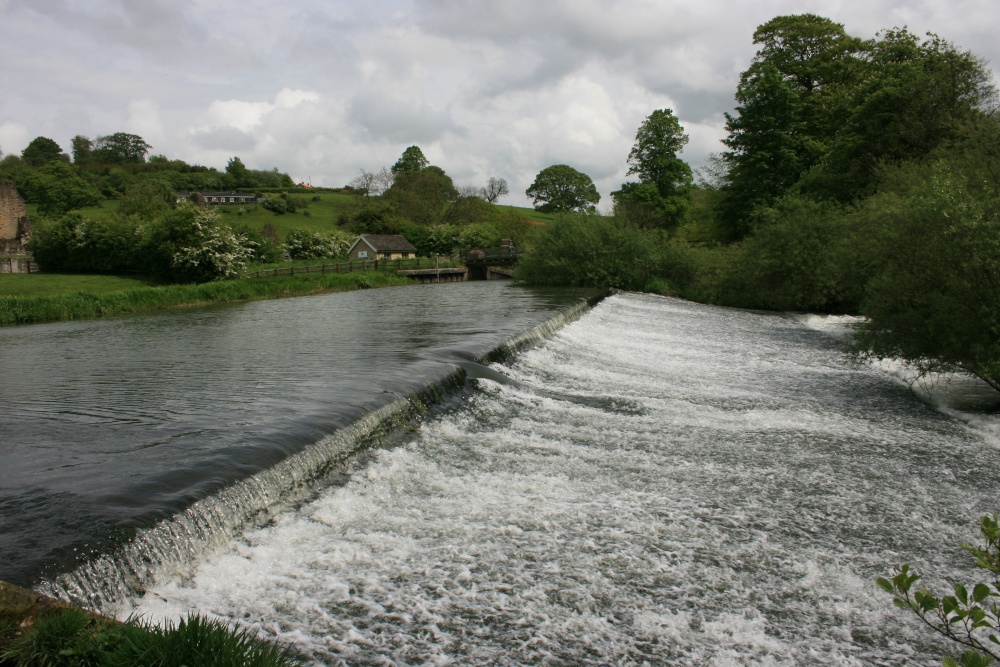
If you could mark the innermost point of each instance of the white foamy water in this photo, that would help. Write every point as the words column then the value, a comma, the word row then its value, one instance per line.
column 662, row 483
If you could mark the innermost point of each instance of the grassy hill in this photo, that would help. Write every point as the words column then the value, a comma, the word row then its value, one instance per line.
column 320, row 212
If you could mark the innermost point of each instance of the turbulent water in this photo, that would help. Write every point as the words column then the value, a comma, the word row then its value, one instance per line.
column 658, row 483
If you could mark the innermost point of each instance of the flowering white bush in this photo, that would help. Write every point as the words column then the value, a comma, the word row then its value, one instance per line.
column 212, row 252
column 301, row 244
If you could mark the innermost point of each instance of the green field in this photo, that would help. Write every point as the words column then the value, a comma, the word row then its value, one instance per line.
column 50, row 284
column 78, row 304
column 320, row 214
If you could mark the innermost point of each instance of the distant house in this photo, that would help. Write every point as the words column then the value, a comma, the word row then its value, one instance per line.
column 216, row 198
column 381, row 246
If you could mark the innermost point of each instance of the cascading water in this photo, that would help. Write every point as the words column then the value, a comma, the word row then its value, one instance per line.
column 658, row 483
column 170, row 546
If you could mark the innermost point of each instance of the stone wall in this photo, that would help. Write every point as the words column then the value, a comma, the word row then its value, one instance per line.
column 15, row 228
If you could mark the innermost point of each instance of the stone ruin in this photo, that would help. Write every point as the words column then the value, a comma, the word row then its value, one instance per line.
column 15, row 228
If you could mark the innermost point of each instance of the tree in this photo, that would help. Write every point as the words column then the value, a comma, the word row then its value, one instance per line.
column 83, row 150
column 242, row 178
column 662, row 195
column 914, row 96
column 121, row 148
column 41, row 151
column 187, row 244
column 410, row 162
column 146, row 199
column 57, row 188
column 560, row 188
column 421, row 196
column 791, row 102
column 495, row 188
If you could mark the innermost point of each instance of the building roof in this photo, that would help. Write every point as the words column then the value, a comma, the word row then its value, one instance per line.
column 385, row 243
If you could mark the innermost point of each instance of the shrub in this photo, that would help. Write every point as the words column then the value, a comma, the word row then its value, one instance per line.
column 588, row 250
column 300, row 244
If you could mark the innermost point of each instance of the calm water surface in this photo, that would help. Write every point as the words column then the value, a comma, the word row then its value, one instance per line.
column 110, row 425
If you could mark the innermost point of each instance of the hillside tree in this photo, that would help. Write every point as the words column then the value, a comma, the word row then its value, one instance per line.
column 410, row 162
column 41, row 151
column 662, row 195
column 562, row 189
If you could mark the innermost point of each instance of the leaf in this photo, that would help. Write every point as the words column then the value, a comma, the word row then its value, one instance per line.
column 974, row 659
column 885, row 585
column 980, row 592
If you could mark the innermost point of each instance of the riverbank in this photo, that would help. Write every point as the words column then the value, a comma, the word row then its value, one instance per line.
column 85, row 304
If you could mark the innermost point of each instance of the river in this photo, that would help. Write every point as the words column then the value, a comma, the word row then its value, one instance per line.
column 657, row 482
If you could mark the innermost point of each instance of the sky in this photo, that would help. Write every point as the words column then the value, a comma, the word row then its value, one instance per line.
column 322, row 89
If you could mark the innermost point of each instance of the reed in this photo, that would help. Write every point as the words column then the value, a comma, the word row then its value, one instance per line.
column 82, row 304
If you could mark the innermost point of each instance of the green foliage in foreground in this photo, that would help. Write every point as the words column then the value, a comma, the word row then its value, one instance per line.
column 77, row 305
column 970, row 618
column 72, row 638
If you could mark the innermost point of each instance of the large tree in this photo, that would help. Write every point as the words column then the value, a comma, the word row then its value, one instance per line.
column 240, row 175
column 935, row 232
column 83, row 150
column 57, row 188
column 915, row 96
column 422, row 196
column 121, row 148
column 410, row 162
column 561, row 188
column 791, row 102
column 661, row 197
column 41, row 151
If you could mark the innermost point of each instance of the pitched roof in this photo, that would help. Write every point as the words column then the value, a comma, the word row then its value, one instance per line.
column 386, row 243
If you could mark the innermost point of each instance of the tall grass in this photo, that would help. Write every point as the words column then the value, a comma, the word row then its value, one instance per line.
column 83, row 304
column 71, row 637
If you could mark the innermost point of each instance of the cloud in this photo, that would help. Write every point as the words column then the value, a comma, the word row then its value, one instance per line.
column 322, row 89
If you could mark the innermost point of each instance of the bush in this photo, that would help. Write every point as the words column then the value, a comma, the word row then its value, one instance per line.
column 589, row 250
column 804, row 256
column 188, row 245
column 300, row 244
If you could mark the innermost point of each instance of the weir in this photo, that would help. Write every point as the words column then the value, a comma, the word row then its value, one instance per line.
column 654, row 482
column 170, row 547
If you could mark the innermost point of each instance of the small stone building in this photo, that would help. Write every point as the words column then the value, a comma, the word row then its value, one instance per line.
column 15, row 228
column 381, row 246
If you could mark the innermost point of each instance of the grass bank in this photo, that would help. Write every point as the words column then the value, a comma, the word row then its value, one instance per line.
column 85, row 303
column 49, row 284
column 73, row 637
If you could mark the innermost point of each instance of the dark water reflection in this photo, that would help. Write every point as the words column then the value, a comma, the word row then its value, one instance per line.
column 108, row 425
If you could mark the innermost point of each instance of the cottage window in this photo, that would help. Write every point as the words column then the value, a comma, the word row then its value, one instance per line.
column 362, row 254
